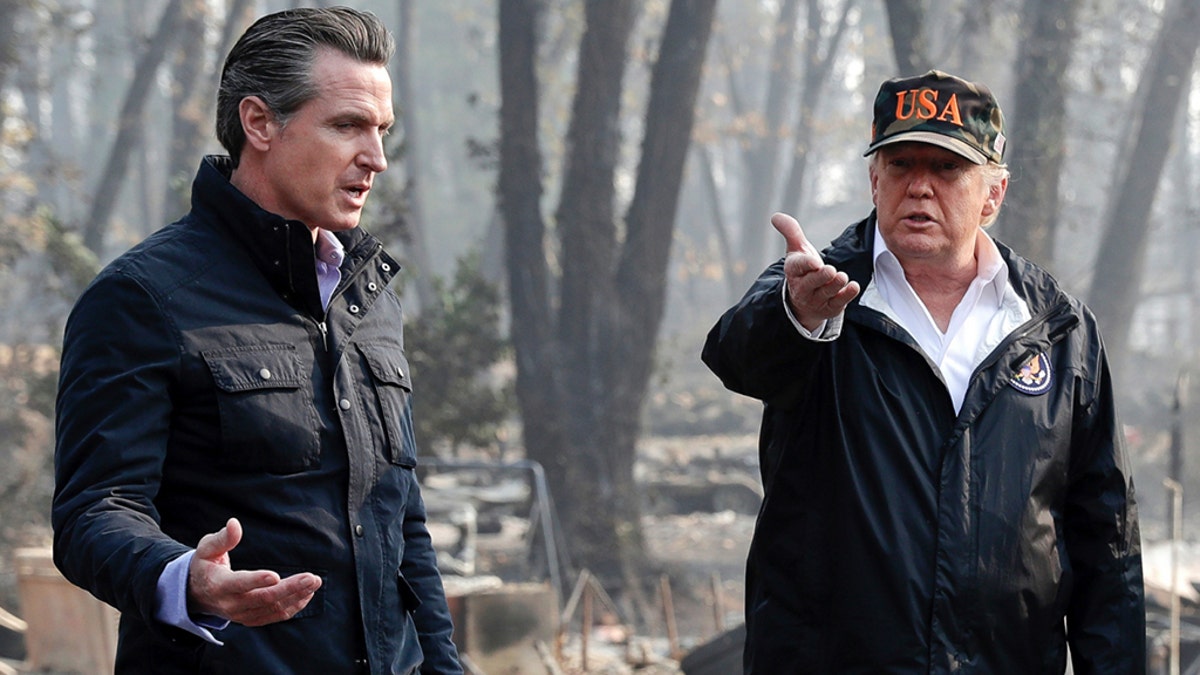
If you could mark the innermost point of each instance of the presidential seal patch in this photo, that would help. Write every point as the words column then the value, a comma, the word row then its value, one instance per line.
column 1034, row 376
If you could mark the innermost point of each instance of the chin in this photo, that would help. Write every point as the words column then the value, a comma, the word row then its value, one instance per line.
column 342, row 225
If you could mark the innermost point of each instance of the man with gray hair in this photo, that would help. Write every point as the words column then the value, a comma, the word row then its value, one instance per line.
column 947, row 489
column 235, row 457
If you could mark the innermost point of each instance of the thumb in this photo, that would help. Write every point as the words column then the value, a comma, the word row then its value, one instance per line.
column 793, row 236
column 217, row 544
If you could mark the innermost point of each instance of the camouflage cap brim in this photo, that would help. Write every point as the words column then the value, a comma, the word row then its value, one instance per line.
column 932, row 138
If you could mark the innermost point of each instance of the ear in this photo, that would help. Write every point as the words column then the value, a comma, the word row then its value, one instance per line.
column 995, row 198
column 258, row 123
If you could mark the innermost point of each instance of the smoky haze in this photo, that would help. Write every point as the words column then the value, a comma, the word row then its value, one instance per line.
column 108, row 107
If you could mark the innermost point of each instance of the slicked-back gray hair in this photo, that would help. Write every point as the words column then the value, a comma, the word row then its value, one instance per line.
column 273, row 61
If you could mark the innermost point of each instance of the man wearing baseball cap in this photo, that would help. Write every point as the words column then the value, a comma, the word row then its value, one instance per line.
column 947, row 488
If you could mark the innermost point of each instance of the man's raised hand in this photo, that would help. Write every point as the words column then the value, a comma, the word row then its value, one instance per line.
column 816, row 291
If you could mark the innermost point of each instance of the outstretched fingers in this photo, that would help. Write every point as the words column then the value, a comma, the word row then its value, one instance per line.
column 838, row 293
column 277, row 602
column 248, row 597
column 816, row 291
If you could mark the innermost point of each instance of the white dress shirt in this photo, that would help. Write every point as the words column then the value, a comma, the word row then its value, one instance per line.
column 988, row 311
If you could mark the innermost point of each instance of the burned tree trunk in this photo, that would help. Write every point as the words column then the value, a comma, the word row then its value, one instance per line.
column 1117, row 283
column 584, row 353
column 910, row 44
column 1036, row 129
column 129, row 128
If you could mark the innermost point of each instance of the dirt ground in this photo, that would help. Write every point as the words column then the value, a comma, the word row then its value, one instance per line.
column 704, row 550
column 704, row 555
column 701, row 557
column 698, row 557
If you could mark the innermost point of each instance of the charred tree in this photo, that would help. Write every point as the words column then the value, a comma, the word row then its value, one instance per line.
column 976, row 17
column 129, row 127
column 412, row 221
column 10, row 53
column 539, row 389
column 641, row 275
column 1037, row 138
column 776, row 156
column 910, row 44
column 817, row 72
column 1121, row 262
column 584, row 353
column 765, row 147
column 188, row 111
column 193, row 97
column 586, row 222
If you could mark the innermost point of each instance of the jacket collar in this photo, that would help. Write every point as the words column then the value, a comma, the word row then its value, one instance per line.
column 851, row 252
column 281, row 249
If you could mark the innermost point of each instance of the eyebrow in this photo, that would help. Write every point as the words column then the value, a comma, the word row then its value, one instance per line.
column 360, row 118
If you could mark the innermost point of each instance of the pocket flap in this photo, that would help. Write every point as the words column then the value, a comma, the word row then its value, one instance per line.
column 256, row 367
column 388, row 365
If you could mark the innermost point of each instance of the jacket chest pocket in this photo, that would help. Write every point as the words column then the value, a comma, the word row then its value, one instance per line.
column 392, row 386
column 268, row 418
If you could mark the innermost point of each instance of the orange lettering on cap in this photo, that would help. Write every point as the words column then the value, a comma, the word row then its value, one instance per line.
column 900, row 114
column 928, row 99
column 951, row 110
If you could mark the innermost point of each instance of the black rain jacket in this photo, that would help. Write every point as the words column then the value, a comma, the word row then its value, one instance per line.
column 202, row 380
column 899, row 537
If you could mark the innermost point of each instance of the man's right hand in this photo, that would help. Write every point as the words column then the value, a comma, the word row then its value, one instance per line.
column 816, row 291
column 251, row 598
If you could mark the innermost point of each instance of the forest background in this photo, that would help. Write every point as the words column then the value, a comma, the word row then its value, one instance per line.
column 579, row 188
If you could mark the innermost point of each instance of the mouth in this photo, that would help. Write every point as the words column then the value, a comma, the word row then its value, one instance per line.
column 919, row 218
column 357, row 192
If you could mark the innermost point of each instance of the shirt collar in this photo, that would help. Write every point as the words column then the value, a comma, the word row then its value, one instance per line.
column 329, row 248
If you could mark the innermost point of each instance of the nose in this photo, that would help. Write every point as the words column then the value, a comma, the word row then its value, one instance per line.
column 920, row 184
column 372, row 157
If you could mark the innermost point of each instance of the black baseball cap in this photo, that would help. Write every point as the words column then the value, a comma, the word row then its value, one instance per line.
column 941, row 110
